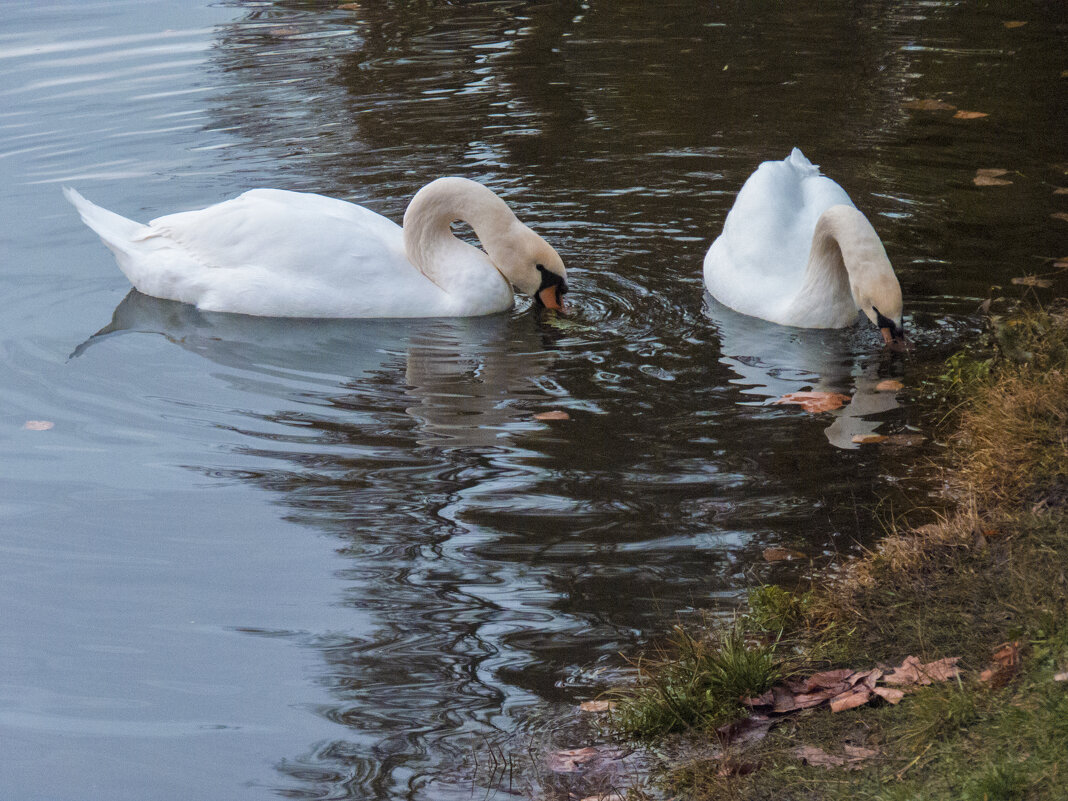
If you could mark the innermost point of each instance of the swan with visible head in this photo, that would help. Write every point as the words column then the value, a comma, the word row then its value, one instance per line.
column 796, row 251
column 276, row 253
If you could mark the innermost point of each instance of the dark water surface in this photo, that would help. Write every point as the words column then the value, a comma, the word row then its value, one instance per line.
column 335, row 559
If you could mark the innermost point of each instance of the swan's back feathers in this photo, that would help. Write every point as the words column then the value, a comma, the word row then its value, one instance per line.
column 757, row 264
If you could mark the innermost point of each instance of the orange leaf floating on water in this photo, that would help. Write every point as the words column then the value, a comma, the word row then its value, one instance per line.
column 970, row 115
column 597, row 706
column 889, row 385
column 814, row 401
column 913, row 671
column 868, row 439
column 929, row 105
column 1015, row 23
column 38, row 425
column 1032, row 280
column 556, row 414
column 990, row 177
column 781, row 554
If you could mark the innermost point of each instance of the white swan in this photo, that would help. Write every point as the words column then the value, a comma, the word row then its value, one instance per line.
column 796, row 251
column 275, row 253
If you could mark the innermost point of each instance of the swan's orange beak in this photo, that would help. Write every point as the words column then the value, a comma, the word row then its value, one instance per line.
column 550, row 298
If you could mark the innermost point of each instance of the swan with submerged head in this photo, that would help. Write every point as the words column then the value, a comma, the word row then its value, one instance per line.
column 796, row 251
column 275, row 253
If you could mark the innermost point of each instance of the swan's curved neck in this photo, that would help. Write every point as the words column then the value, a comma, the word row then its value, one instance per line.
column 845, row 259
column 428, row 237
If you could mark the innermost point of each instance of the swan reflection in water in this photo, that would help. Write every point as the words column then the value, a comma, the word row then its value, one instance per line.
column 772, row 360
column 461, row 376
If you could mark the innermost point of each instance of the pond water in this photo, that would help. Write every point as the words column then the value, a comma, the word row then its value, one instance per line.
column 341, row 559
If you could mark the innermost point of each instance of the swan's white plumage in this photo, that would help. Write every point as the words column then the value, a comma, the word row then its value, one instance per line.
column 778, row 260
column 276, row 253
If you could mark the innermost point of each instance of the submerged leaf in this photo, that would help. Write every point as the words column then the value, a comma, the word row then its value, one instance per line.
column 1031, row 280
column 929, row 105
column 814, row 401
column 555, row 414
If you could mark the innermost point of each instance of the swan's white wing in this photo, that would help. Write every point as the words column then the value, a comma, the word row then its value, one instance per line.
column 271, row 252
column 758, row 262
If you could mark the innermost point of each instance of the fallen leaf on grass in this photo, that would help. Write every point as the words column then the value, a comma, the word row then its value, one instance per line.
column 1031, row 280
column 1003, row 668
column 811, row 755
column 556, row 414
column 970, row 115
column 889, row 385
column 781, row 554
column 1015, row 23
column 913, row 671
column 38, row 425
column 889, row 694
column 929, row 105
column 814, row 401
column 597, row 706
column 850, row 700
column 868, row 439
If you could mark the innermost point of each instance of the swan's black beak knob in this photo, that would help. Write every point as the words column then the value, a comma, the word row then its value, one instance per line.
column 551, row 292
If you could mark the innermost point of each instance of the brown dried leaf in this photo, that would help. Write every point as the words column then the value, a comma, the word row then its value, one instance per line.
column 555, row 414
column 913, row 671
column 814, row 401
column 597, row 706
column 38, row 425
column 1032, row 280
column 850, row 700
column 812, row 755
column 986, row 180
column 889, row 694
column 929, row 105
column 826, row 679
column 970, row 115
column 1016, row 23
column 774, row 554
column 764, row 699
column 889, row 385
column 868, row 439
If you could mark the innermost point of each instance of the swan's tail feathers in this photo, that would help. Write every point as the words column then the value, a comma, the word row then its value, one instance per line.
column 798, row 161
column 114, row 229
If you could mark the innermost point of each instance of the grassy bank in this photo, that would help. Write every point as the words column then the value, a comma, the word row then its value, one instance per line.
column 986, row 584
